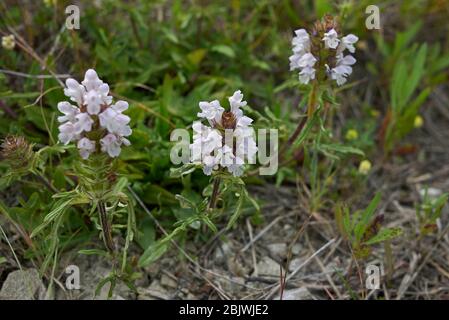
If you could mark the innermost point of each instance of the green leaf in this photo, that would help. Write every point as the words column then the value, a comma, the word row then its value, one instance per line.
column 183, row 170
column 90, row 252
column 237, row 211
column 224, row 49
column 196, row 56
column 341, row 149
column 59, row 209
column 305, row 131
column 385, row 234
column 152, row 253
column 147, row 234
column 120, row 185
column 366, row 217
column 185, row 203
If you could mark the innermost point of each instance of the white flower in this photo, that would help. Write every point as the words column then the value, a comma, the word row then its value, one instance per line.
column 245, row 144
column 236, row 101
column 294, row 59
column 86, row 147
column 302, row 58
column 349, row 41
column 94, row 112
column 69, row 111
column 225, row 156
column 301, row 42
column 9, row 42
column 213, row 147
column 343, row 69
column 84, row 123
column 236, row 169
column 91, row 80
column 307, row 60
column 205, row 141
column 93, row 101
column 75, row 91
column 120, row 106
column 111, row 144
column 306, row 75
column 243, row 121
column 302, row 35
column 114, row 121
column 211, row 111
column 233, row 163
column 331, row 39
column 96, row 92
column 67, row 132
column 209, row 164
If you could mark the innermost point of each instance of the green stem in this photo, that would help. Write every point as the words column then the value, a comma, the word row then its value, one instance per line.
column 310, row 109
column 214, row 196
column 312, row 100
column 106, row 227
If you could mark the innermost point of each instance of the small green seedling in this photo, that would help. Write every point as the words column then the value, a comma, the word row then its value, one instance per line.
column 363, row 229
column 429, row 211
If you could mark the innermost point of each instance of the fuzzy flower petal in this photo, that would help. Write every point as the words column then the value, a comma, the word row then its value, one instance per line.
column 86, row 147
column 331, row 39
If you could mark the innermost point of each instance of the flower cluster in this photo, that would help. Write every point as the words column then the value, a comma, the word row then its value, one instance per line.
column 322, row 52
column 94, row 123
column 227, row 140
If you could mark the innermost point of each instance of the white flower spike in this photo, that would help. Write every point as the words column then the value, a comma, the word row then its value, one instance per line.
column 336, row 66
column 227, row 141
column 94, row 112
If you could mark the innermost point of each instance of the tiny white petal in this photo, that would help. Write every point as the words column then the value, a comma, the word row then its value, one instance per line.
column 331, row 39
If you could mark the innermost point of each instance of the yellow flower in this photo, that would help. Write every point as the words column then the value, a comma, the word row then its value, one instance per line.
column 419, row 121
column 365, row 167
column 8, row 42
column 352, row 134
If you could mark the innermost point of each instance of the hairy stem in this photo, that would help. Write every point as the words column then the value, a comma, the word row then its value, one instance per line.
column 106, row 227
column 214, row 196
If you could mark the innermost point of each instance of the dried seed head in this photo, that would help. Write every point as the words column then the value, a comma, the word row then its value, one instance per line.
column 16, row 151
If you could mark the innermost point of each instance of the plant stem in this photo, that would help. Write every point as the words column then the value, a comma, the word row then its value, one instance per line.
column 106, row 227
column 310, row 109
column 312, row 100
column 47, row 183
column 214, row 196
